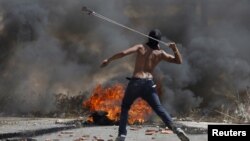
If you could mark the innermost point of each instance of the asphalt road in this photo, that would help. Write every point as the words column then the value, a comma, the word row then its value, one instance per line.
column 41, row 130
column 109, row 133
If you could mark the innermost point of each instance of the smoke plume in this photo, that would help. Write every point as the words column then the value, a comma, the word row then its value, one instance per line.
column 50, row 46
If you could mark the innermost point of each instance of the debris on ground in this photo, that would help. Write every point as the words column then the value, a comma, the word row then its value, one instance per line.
column 158, row 131
column 68, row 105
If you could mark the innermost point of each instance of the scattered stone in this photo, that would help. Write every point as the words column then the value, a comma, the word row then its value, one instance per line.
column 67, row 132
column 151, row 130
column 86, row 136
column 166, row 132
column 149, row 133
column 80, row 139
column 134, row 128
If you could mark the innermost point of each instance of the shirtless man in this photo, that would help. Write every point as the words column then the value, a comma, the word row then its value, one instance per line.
column 141, row 84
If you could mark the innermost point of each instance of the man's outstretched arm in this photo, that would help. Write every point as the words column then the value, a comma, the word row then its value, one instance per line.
column 121, row 54
column 170, row 58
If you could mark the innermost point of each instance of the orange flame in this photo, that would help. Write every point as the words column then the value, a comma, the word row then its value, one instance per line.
column 110, row 99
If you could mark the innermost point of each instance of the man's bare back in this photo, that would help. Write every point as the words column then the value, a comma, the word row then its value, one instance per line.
column 146, row 59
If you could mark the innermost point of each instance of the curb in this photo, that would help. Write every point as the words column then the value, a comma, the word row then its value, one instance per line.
column 32, row 133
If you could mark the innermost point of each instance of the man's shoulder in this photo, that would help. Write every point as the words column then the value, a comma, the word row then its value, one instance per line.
column 139, row 46
column 162, row 51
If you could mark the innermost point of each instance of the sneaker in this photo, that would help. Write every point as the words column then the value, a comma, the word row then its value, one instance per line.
column 181, row 134
column 120, row 138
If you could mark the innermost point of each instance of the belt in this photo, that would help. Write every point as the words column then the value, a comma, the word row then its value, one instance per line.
column 136, row 78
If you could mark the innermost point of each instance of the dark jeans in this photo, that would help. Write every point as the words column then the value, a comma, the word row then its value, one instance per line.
column 145, row 89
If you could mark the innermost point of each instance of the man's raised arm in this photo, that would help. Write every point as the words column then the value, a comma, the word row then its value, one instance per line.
column 170, row 58
column 121, row 54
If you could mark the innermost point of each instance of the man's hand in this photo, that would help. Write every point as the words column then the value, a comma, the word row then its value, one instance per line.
column 172, row 45
column 105, row 63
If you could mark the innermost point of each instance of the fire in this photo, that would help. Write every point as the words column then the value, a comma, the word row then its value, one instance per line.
column 110, row 99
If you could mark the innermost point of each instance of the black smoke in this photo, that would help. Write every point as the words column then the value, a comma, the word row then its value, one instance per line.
column 50, row 46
